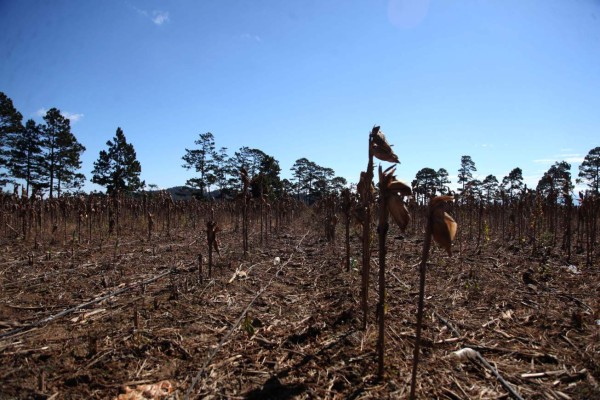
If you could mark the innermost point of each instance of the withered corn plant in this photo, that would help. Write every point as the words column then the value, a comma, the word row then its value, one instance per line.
column 245, row 198
column 443, row 228
column 347, row 204
column 211, row 236
column 590, row 212
column 567, row 228
column 380, row 148
column 327, row 207
column 391, row 193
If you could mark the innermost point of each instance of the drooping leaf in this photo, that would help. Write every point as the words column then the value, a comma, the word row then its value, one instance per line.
column 398, row 210
column 443, row 225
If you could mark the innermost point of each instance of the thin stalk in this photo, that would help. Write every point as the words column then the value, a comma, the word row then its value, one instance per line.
column 366, row 264
column 382, row 230
column 422, row 270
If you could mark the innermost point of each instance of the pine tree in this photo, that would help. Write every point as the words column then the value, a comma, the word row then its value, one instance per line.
column 589, row 170
column 442, row 181
column 117, row 168
column 554, row 180
column 513, row 182
column 269, row 171
column 465, row 173
column 69, row 162
column 426, row 182
column 25, row 154
column 61, row 154
column 490, row 185
column 222, row 170
column 10, row 125
column 202, row 160
column 300, row 173
column 338, row 184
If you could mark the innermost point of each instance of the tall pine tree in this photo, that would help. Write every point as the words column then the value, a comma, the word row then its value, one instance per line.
column 118, row 168
column 589, row 170
column 513, row 182
column 10, row 125
column 202, row 160
column 555, row 181
column 61, row 154
column 465, row 172
column 26, row 153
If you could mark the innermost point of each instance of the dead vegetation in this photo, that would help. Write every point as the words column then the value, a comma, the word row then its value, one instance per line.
column 101, row 298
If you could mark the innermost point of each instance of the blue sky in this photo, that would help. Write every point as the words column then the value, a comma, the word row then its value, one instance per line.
column 510, row 83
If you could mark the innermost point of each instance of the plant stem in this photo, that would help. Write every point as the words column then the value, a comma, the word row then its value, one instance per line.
column 367, row 236
column 422, row 270
column 382, row 230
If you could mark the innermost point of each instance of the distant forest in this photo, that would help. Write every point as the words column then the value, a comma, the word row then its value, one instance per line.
column 45, row 159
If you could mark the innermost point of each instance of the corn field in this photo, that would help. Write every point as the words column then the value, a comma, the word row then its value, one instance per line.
column 109, row 297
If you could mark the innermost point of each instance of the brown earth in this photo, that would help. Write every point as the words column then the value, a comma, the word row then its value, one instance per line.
column 291, row 329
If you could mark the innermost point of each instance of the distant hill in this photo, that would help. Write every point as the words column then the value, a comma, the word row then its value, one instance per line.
column 182, row 192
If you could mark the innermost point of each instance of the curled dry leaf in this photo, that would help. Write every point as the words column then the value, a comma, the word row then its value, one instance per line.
column 394, row 191
column 400, row 187
column 398, row 210
column 381, row 148
column 443, row 225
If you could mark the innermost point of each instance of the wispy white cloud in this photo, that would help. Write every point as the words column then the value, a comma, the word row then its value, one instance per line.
column 160, row 17
column 572, row 158
column 73, row 117
column 157, row 17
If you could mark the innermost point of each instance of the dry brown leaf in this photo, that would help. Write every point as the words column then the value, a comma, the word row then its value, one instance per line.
column 398, row 210
column 443, row 225
column 381, row 148
column 400, row 187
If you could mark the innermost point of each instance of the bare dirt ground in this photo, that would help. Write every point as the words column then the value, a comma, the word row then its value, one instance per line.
column 90, row 319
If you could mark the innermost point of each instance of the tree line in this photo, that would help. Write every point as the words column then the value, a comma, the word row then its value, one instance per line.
column 47, row 158
column 556, row 183
column 215, row 168
column 44, row 156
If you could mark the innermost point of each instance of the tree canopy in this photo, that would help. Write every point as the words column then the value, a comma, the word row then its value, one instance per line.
column 10, row 125
column 555, row 181
column 202, row 160
column 465, row 172
column 589, row 170
column 117, row 168
column 25, row 154
column 513, row 182
column 61, row 152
